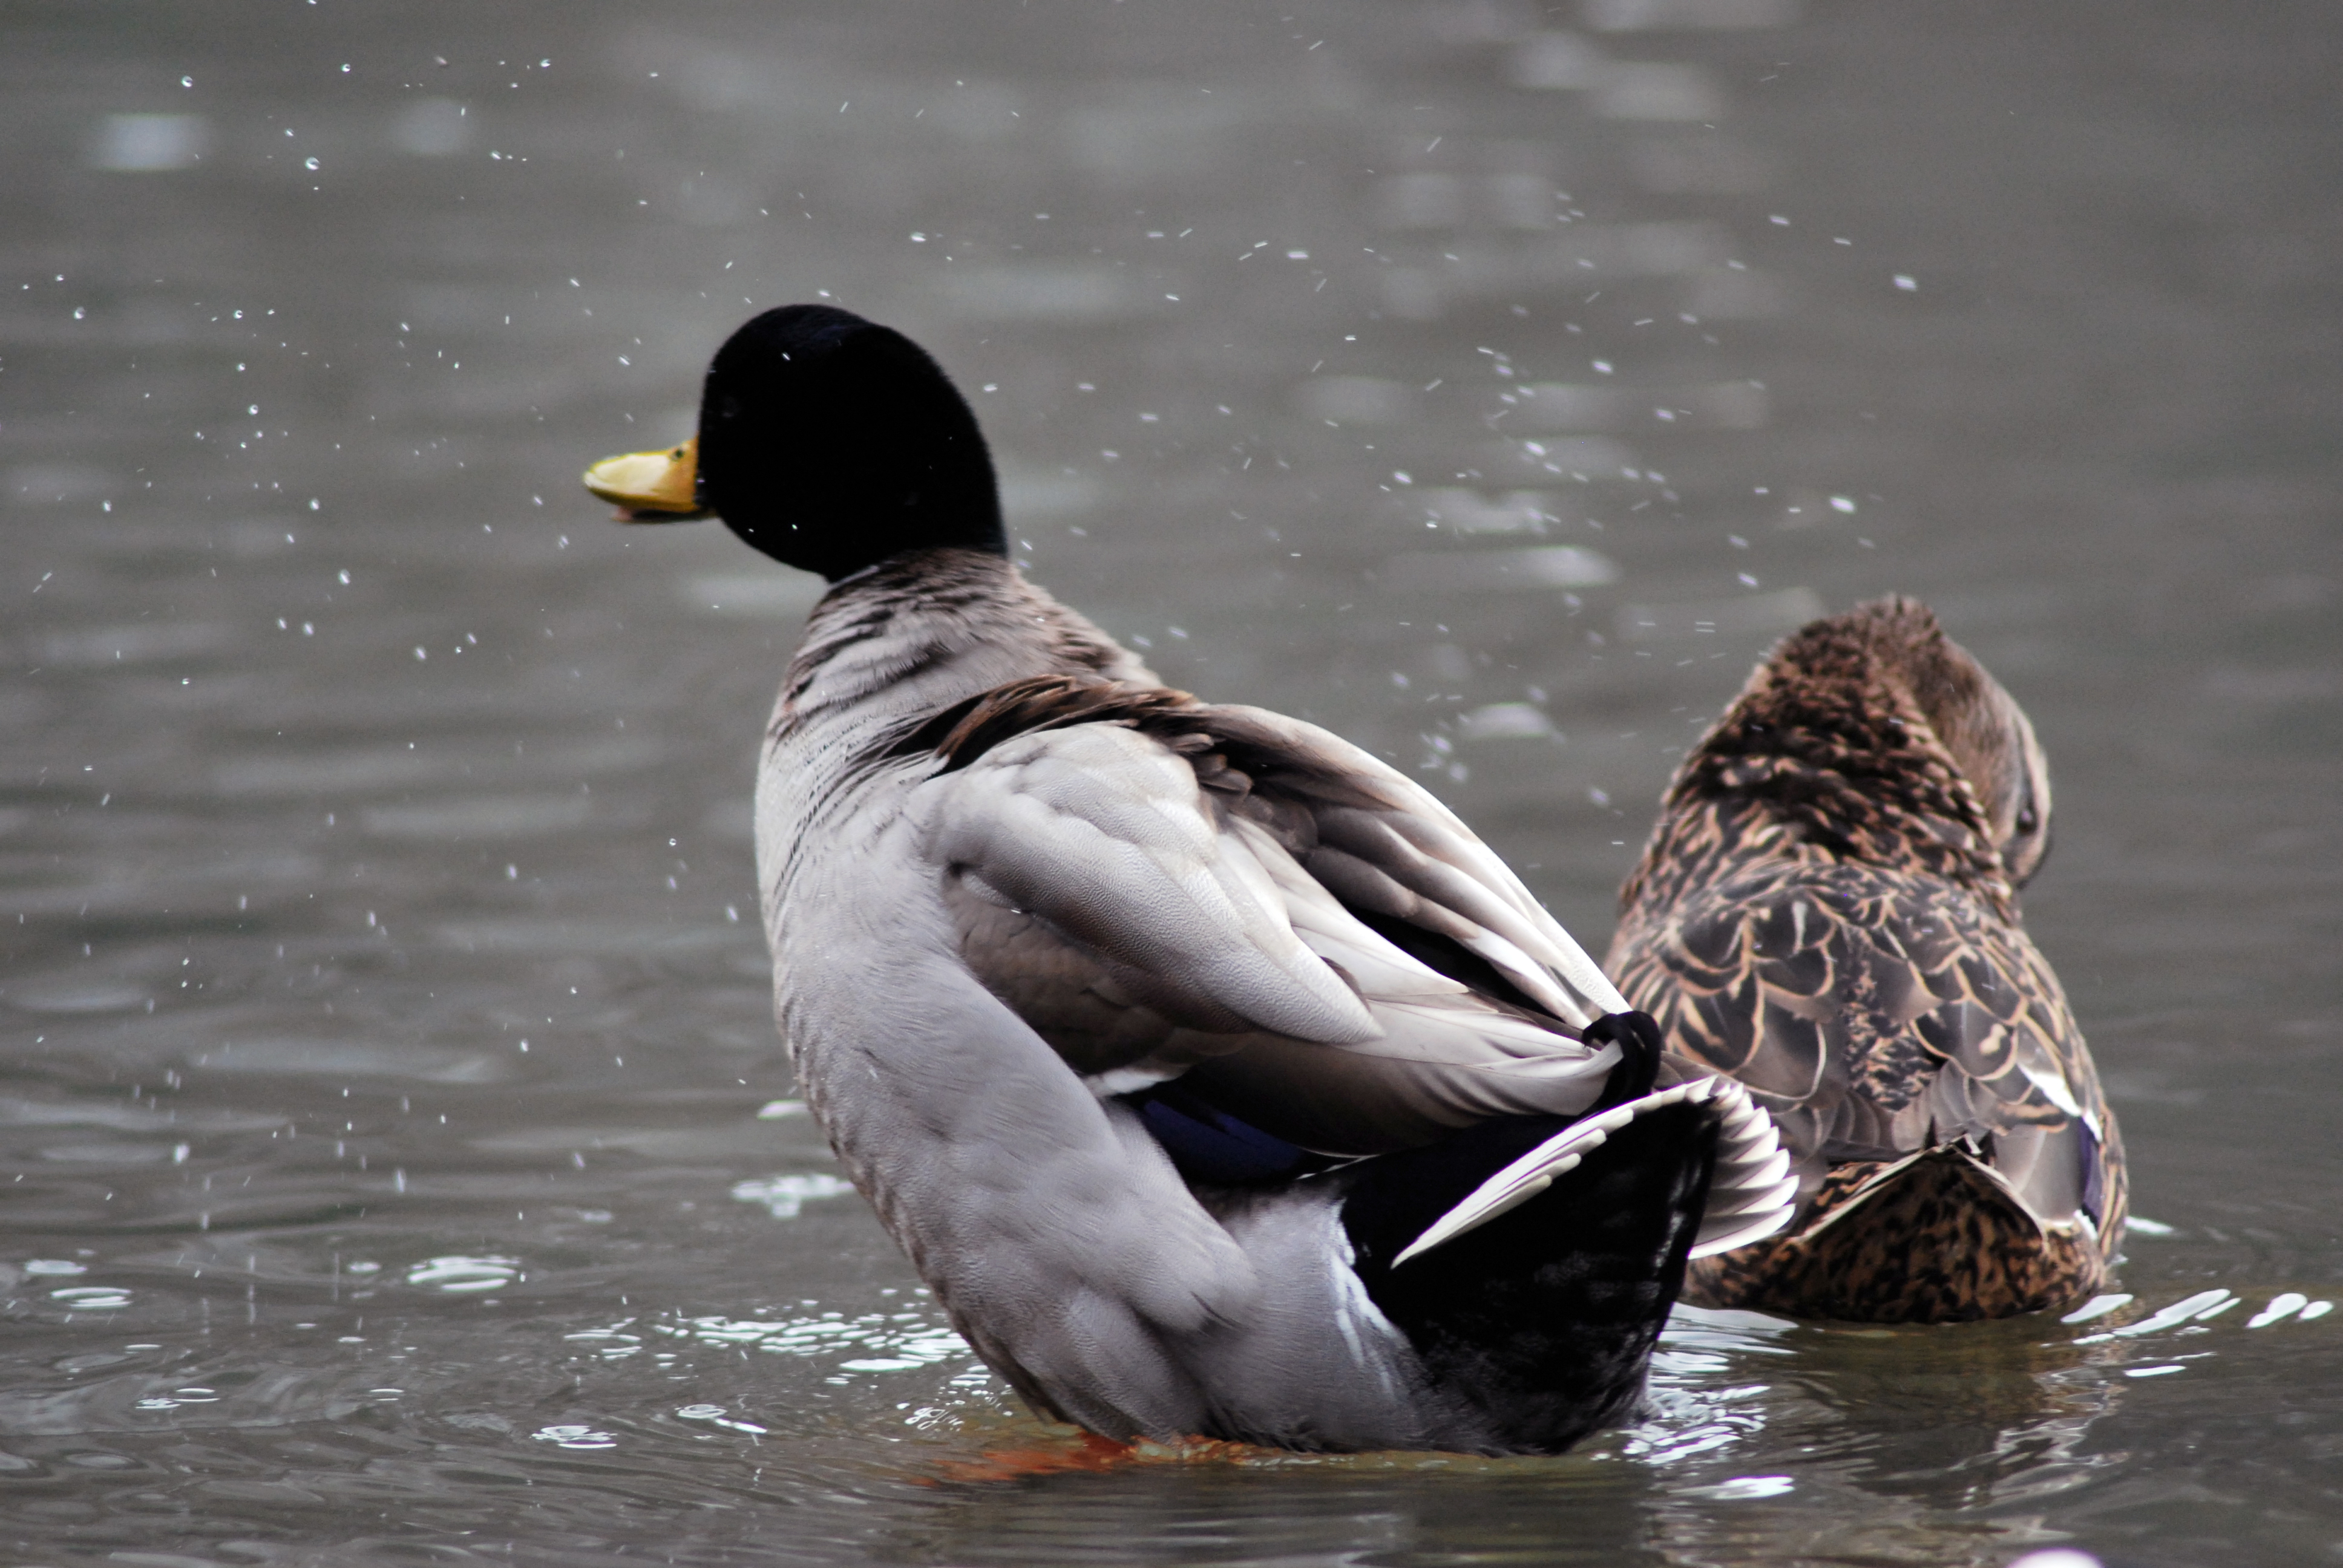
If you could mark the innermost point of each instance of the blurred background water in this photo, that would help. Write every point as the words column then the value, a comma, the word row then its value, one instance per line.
column 397, row 1163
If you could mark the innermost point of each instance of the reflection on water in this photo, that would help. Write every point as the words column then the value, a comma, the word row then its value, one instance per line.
column 397, row 1156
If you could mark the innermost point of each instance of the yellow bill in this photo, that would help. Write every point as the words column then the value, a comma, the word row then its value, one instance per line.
column 651, row 487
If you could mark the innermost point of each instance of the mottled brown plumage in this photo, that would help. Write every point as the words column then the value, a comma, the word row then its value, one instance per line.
column 1827, row 911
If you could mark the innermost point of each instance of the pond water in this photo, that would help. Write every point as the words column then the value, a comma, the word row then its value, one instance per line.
column 396, row 1162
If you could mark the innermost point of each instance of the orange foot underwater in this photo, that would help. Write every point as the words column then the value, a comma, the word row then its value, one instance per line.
column 1088, row 1451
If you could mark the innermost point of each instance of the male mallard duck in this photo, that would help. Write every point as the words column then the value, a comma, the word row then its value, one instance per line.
column 1217, row 1078
column 1828, row 911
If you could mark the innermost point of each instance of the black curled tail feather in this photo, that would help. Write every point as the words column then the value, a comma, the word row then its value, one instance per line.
column 1543, row 1318
column 1640, row 1043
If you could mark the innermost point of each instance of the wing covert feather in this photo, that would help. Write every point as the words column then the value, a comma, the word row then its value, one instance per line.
column 1431, row 864
column 1105, row 834
column 1154, row 909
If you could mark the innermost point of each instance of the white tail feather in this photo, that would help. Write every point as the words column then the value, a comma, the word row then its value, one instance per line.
column 1752, row 1194
column 1747, row 1192
column 1725, row 1233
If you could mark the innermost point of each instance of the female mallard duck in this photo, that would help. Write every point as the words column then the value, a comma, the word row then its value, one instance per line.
column 1828, row 911
column 1168, row 1038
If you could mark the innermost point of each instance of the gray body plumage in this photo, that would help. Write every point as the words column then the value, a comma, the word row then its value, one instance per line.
column 1058, row 1236
column 971, row 961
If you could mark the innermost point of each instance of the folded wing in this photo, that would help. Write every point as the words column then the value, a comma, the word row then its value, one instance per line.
column 1878, row 1020
column 1162, row 888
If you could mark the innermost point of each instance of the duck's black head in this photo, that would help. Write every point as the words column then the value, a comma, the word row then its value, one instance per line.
column 827, row 442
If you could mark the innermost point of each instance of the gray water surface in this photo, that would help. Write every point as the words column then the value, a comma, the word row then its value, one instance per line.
column 397, row 1160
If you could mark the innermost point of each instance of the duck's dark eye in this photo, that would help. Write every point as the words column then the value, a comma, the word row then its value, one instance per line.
column 2027, row 821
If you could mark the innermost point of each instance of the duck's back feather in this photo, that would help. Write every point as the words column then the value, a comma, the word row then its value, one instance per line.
column 1875, row 1014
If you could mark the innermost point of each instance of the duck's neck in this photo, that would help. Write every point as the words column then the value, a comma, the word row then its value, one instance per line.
column 928, row 629
column 1841, row 769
